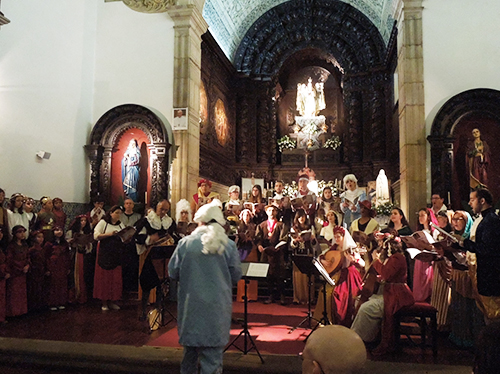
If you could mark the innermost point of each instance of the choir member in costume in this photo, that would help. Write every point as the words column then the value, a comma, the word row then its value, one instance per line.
column 18, row 266
column 16, row 214
column 130, row 258
column 59, row 212
column 184, row 218
column 423, row 272
column 156, row 225
column 108, row 271
column 46, row 218
column 393, row 294
column 365, row 223
column 4, row 275
column 248, row 253
column 303, row 243
column 233, row 206
column 466, row 318
column 58, row 264
column 38, row 273
column 350, row 199
column 207, row 265
column 29, row 205
column 398, row 222
column 256, row 203
column 327, row 231
column 348, row 281
column 98, row 212
column 269, row 234
column 203, row 195
column 285, row 205
column 307, row 197
column 441, row 284
column 4, row 222
column 80, row 238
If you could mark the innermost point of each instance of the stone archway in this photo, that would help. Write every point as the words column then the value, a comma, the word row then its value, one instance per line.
column 103, row 140
column 467, row 109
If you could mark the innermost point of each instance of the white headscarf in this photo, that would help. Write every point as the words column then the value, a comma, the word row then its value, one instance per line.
column 213, row 238
column 349, row 242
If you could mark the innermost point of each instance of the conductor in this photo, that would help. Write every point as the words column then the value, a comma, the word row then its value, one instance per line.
column 207, row 265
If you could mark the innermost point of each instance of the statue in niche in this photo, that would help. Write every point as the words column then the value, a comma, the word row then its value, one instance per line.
column 310, row 99
column 478, row 155
column 130, row 169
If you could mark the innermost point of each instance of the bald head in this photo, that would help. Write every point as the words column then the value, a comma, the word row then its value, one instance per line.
column 333, row 349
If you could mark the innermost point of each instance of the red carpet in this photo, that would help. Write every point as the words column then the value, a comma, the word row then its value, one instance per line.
column 269, row 326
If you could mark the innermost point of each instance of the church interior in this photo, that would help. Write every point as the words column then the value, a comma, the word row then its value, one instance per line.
column 404, row 84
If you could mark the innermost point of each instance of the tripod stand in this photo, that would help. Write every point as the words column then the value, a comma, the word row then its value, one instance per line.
column 157, row 317
column 247, row 346
column 305, row 265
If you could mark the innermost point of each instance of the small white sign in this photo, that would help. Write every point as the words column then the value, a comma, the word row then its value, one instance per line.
column 180, row 121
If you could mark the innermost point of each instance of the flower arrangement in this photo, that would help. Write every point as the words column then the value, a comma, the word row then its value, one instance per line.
column 333, row 143
column 310, row 128
column 384, row 209
column 290, row 189
column 286, row 143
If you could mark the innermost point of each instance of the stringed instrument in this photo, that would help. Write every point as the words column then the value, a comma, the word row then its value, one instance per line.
column 332, row 261
column 370, row 285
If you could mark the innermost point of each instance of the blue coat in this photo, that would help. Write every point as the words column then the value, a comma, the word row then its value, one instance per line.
column 204, row 300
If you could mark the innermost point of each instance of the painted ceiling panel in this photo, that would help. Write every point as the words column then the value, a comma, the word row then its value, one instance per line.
column 229, row 20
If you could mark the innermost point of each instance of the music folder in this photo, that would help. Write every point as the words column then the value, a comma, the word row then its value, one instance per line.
column 254, row 270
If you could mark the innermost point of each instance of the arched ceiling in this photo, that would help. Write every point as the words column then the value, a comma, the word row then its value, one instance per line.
column 230, row 20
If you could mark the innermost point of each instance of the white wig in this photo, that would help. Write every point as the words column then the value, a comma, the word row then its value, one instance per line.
column 350, row 177
column 181, row 206
column 213, row 238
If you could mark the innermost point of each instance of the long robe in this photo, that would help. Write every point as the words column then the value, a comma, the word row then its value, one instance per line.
column 205, row 291
column 3, row 273
column 58, row 263
column 36, row 279
column 16, row 295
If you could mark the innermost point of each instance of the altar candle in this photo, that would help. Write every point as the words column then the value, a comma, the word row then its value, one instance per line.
column 449, row 199
column 146, row 198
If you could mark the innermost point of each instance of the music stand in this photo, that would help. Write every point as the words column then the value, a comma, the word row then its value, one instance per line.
column 305, row 265
column 158, row 253
column 250, row 271
column 326, row 279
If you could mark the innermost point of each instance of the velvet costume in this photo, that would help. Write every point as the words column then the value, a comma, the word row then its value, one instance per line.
column 16, row 294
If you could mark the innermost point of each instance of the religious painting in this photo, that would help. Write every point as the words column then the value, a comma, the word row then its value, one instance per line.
column 221, row 123
column 203, row 108
column 130, row 167
column 476, row 155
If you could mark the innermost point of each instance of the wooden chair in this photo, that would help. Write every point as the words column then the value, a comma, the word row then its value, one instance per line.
column 420, row 312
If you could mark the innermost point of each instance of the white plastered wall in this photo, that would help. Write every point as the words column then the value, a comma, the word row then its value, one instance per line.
column 62, row 65
column 461, row 46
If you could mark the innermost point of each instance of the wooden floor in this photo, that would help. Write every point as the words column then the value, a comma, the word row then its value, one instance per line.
column 89, row 324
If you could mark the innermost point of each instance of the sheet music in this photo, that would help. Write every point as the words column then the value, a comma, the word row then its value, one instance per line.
column 254, row 269
column 323, row 272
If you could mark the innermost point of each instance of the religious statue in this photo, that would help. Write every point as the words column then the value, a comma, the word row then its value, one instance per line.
column 478, row 155
column 382, row 188
column 310, row 99
column 130, row 170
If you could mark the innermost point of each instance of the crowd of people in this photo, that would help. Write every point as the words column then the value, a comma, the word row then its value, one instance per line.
column 45, row 263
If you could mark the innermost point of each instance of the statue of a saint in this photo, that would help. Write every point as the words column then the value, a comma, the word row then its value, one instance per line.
column 478, row 154
column 130, row 170
column 310, row 99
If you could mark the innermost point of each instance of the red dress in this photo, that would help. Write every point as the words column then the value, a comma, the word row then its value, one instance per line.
column 397, row 294
column 346, row 289
column 58, row 264
column 36, row 278
column 16, row 295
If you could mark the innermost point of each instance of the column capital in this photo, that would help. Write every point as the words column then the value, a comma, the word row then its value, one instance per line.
column 188, row 16
column 149, row 6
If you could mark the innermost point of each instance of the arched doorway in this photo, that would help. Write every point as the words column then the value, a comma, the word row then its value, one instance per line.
column 451, row 138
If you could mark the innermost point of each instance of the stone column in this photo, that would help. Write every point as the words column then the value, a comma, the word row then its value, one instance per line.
column 412, row 133
column 189, row 27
